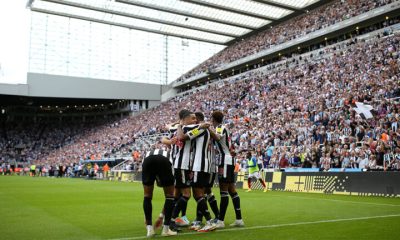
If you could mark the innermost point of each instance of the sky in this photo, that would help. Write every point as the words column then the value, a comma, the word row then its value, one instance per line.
column 14, row 41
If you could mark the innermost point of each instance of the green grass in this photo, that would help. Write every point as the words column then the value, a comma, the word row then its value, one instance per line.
column 44, row 208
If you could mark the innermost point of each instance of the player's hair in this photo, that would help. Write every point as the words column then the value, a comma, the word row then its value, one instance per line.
column 184, row 113
column 199, row 116
column 218, row 116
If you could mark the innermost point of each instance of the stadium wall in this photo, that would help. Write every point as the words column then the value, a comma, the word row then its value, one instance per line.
column 45, row 85
column 168, row 92
column 343, row 183
column 14, row 89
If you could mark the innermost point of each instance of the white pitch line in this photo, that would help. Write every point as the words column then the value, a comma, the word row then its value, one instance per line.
column 344, row 201
column 274, row 226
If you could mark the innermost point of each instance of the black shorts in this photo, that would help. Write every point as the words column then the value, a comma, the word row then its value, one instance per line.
column 227, row 174
column 211, row 180
column 157, row 168
column 200, row 179
column 183, row 178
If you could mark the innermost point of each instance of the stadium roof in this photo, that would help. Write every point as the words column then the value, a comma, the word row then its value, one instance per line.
column 215, row 21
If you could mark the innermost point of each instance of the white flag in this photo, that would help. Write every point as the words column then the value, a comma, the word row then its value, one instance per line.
column 364, row 109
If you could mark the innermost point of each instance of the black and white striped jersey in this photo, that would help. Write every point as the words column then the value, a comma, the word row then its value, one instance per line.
column 158, row 152
column 174, row 149
column 203, row 151
column 224, row 146
column 184, row 158
column 347, row 131
column 212, row 157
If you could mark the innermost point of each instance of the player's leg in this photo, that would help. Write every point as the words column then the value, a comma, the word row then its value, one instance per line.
column 148, row 209
column 203, row 209
column 210, row 196
column 198, row 194
column 199, row 215
column 183, row 213
column 212, row 201
column 236, row 205
column 258, row 177
column 177, row 196
column 223, row 188
column 200, row 180
column 182, row 221
column 249, row 181
column 182, row 181
column 225, row 177
column 196, row 224
column 181, row 203
column 148, row 178
column 168, row 208
column 147, row 205
column 165, row 178
column 263, row 184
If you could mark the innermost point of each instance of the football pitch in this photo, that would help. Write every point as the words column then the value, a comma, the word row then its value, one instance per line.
column 49, row 208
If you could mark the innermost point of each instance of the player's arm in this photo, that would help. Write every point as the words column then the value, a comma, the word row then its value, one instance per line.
column 171, row 125
column 214, row 135
column 189, row 134
column 179, row 133
column 167, row 141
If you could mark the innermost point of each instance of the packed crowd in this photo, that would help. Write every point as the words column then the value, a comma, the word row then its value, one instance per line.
column 64, row 145
column 304, row 115
column 297, row 114
column 42, row 142
column 314, row 20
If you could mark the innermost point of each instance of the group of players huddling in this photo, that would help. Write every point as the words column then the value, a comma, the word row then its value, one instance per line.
column 198, row 152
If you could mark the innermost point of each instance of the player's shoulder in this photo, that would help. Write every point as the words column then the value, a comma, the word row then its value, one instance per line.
column 173, row 127
column 190, row 127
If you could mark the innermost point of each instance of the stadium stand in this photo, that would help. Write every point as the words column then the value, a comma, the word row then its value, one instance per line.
column 309, row 22
column 303, row 107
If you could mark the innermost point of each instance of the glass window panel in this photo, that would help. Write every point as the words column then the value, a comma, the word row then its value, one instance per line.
column 74, row 47
column 163, row 16
column 79, row 51
column 131, row 22
column 205, row 11
column 56, row 45
column 252, row 7
column 186, row 16
column 297, row 3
